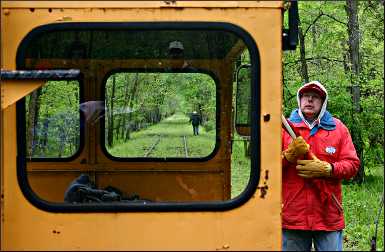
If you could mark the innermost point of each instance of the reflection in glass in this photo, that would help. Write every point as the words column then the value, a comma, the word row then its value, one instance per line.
column 152, row 115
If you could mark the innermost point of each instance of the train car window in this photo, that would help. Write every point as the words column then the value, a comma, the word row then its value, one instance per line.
column 148, row 123
column 53, row 120
column 179, row 121
column 243, row 100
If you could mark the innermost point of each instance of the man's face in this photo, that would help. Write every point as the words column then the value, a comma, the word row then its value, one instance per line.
column 311, row 103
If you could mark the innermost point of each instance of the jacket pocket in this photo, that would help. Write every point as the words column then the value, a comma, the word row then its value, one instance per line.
column 290, row 194
column 294, row 206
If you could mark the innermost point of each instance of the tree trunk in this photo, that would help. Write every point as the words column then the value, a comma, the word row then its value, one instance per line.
column 44, row 138
column 354, row 50
column 62, row 141
column 122, row 117
column 354, row 53
column 304, row 71
column 33, row 115
column 130, row 105
column 110, row 130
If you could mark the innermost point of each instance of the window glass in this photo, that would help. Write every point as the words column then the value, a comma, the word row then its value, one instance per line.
column 160, row 115
column 53, row 120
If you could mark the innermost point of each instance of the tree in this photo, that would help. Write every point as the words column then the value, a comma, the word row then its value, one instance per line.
column 354, row 53
column 110, row 129
column 32, row 121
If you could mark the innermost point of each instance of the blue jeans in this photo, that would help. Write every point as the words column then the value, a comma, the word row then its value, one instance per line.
column 196, row 130
column 301, row 240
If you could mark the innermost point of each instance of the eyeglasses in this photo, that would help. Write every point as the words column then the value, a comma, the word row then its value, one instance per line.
column 312, row 96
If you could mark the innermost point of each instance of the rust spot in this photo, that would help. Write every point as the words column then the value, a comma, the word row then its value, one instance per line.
column 170, row 2
column 263, row 191
column 266, row 117
column 264, row 188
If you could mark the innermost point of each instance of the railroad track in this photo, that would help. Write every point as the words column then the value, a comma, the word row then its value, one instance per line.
column 152, row 148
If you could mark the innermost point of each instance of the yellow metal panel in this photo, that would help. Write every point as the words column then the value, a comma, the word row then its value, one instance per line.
column 14, row 90
column 141, row 4
column 256, row 225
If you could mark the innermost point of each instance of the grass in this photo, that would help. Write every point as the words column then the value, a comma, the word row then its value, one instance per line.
column 240, row 167
column 168, row 138
column 361, row 204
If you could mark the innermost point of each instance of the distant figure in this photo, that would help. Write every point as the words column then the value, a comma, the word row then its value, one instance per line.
column 195, row 120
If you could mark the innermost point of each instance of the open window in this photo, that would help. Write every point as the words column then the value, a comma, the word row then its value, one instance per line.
column 122, row 136
column 178, row 122
column 52, row 117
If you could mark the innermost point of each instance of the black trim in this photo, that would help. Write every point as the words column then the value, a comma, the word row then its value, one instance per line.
column 149, row 207
column 162, row 159
column 290, row 36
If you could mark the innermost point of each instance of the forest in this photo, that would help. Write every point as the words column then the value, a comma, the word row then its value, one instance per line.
column 341, row 44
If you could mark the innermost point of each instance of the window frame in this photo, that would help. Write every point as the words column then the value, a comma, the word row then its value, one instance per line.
column 162, row 159
column 242, row 198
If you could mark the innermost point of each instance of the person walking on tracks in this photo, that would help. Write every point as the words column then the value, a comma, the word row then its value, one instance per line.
column 195, row 120
column 314, row 164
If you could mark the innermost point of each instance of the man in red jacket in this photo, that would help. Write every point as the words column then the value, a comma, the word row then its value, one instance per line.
column 314, row 165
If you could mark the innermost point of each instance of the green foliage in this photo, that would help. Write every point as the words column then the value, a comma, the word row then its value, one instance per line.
column 240, row 167
column 361, row 205
column 56, row 132
column 209, row 125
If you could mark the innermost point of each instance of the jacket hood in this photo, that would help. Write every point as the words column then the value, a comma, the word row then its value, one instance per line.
column 317, row 87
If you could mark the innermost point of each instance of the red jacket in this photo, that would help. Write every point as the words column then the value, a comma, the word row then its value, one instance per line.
column 316, row 204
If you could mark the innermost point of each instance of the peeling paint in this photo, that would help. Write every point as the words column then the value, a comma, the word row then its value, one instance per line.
column 185, row 187
column 223, row 247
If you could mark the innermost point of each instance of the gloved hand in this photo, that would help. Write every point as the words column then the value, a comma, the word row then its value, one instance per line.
column 313, row 168
column 295, row 149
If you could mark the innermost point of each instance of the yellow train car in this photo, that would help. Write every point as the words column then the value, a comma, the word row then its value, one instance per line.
column 97, row 98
